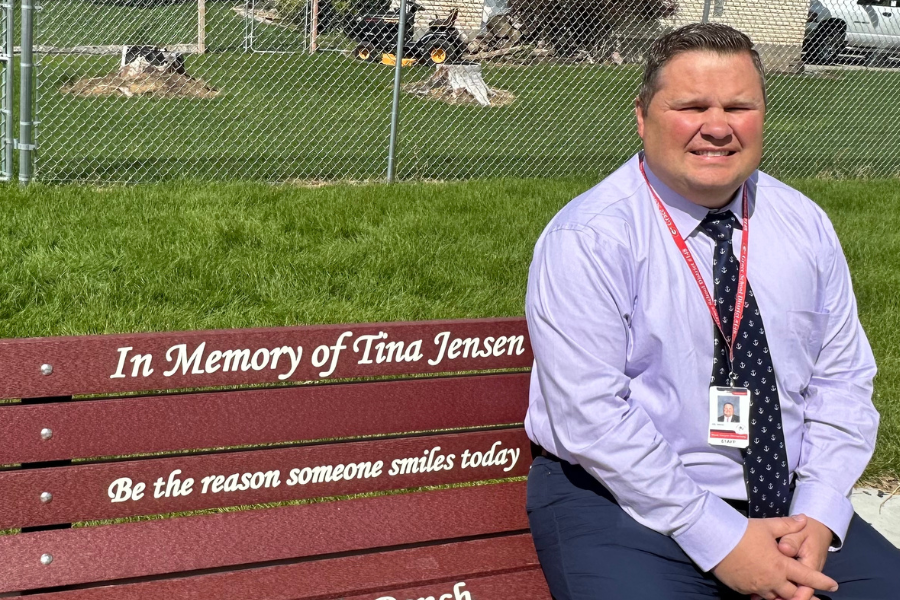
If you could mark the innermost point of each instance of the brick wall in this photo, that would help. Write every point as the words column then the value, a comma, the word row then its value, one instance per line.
column 468, row 22
column 775, row 26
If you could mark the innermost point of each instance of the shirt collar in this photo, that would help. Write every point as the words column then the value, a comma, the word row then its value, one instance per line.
column 686, row 215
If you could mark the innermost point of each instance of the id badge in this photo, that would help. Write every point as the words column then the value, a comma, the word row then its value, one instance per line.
column 729, row 415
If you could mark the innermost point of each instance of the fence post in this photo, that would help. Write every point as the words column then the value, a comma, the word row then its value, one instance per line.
column 314, row 30
column 201, row 26
column 395, row 106
column 26, row 65
column 706, row 6
column 9, row 20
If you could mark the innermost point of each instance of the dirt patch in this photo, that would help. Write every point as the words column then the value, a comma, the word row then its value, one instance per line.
column 444, row 94
column 264, row 16
column 161, row 76
column 884, row 483
column 160, row 85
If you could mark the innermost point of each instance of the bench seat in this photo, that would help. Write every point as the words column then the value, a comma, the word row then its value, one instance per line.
column 378, row 490
column 501, row 567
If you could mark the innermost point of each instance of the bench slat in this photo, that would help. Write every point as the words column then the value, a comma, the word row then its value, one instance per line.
column 81, row 492
column 523, row 585
column 378, row 574
column 91, row 364
column 92, row 428
column 202, row 542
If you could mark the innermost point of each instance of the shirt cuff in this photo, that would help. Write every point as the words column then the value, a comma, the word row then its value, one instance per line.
column 714, row 534
column 826, row 505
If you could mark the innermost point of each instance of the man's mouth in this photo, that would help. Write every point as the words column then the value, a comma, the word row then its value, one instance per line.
column 712, row 152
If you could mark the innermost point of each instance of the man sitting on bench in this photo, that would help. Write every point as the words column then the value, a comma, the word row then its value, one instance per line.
column 650, row 307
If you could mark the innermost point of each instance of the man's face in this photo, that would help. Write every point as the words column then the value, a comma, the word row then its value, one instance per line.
column 703, row 130
column 729, row 410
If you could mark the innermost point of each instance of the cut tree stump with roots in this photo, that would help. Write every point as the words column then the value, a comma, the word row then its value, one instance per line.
column 145, row 71
column 459, row 84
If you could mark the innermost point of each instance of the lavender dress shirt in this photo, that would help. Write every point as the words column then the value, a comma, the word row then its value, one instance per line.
column 623, row 346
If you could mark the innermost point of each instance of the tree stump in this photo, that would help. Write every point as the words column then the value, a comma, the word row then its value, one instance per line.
column 468, row 78
column 460, row 84
column 145, row 71
column 140, row 59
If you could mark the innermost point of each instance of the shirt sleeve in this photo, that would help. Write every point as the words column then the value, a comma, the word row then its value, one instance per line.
column 840, row 421
column 581, row 291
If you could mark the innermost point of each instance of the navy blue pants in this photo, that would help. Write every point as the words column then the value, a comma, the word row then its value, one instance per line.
column 590, row 548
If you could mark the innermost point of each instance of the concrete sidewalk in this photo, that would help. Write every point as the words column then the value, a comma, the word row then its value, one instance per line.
column 866, row 502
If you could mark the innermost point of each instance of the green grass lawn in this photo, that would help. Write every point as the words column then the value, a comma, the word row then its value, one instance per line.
column 286, row 116
column 191, row 255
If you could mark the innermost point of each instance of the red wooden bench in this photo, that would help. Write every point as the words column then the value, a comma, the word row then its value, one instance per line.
column 355, row 476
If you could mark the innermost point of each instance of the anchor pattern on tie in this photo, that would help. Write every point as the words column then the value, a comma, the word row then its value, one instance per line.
column 765, row 465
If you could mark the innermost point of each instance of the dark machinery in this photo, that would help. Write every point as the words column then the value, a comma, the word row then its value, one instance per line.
column 377, row 37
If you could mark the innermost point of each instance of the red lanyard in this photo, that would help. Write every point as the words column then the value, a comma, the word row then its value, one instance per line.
column 689, row 259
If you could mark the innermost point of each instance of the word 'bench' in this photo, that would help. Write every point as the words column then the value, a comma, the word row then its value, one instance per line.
column 120, row 453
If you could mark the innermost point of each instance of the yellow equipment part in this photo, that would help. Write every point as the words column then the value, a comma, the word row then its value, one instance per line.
column 391, row 59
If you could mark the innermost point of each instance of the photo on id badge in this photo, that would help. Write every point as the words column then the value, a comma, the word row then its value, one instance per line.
column 728, row 410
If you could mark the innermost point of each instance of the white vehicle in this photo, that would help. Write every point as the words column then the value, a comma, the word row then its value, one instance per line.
column 833, row 25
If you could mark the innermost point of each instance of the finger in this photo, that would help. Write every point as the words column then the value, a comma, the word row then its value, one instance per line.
column 803, row 593
column 810, row 559
column 803, row 575
column 789, row 545
column 786, row 590
column 782, row 526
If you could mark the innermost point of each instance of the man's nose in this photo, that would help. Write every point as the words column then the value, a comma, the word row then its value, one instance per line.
column 715, row 125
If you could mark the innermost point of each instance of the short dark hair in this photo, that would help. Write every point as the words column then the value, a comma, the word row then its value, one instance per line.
column 713, row 37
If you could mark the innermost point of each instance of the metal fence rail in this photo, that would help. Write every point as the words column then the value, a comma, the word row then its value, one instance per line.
column 295, row 90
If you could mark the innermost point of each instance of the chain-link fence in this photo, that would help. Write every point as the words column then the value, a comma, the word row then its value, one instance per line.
column 283, row 90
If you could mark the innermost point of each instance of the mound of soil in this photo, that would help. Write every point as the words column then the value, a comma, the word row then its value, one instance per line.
column 140, row 78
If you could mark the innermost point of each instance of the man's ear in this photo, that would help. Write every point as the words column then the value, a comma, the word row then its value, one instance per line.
column 639, row 115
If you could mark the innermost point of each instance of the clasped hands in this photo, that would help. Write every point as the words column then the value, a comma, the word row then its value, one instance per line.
column 779, row 559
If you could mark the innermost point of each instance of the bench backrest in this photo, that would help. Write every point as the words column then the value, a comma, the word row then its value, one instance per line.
column 347, row 489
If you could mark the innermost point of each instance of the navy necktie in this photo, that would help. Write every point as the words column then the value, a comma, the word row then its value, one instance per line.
column 765, row 460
